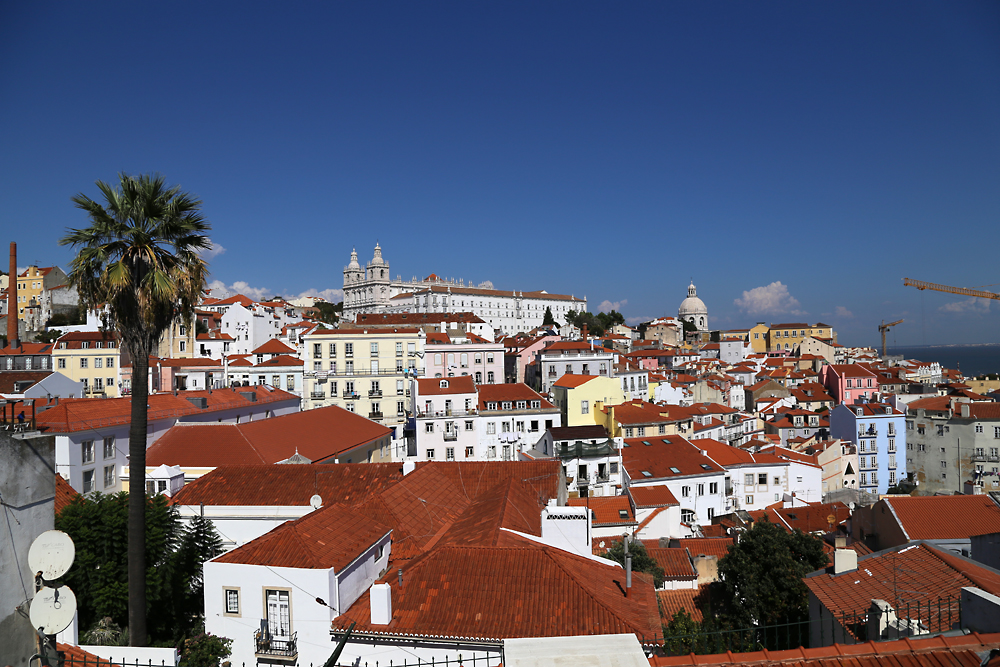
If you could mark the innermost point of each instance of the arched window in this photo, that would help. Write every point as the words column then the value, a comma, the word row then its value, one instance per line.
column 479, row 378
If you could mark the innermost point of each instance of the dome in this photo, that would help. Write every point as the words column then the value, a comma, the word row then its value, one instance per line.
column 693, row 309
column 354, row 260
column 377, row 259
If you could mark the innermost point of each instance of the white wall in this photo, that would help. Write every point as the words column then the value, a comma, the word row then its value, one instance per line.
column 237, row 525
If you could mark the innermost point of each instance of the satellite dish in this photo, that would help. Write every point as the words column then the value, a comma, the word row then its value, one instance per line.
column 52, row 554
column 316, row 501
column 52, row 609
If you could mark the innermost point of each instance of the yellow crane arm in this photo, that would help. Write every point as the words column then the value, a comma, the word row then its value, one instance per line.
column 921, row 285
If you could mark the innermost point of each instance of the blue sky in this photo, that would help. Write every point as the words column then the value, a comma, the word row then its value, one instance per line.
column 797, row 160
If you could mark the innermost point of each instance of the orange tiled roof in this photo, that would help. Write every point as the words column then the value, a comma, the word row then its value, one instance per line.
column 65, row 494
column 676, row 563
column 494, row 593
column 958, row 651
column 79, row 414
column 318, row 435
column 923, row 571
column 273, row 346
column 607, row 510
column 281, row 360
column 672, row 601
column 645, row 497
column 945, row 517
column 289, row 485
column 497, row 393
column 664, row 454
column 462, row 384
column 706, row 546
column 573, row 380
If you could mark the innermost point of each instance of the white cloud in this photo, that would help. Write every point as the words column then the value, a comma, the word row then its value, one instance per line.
column 842, row 312
column 970, row 305
column 607, row 306
column 773, row 298
column 221, row 290
column 215, row 250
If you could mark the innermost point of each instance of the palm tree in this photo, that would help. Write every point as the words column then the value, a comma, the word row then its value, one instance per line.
column 139, row 259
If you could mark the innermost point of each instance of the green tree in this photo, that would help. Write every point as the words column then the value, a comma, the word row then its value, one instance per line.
column 205, row 650
column 689, row 327
column 174, row 557
column 330, row 312
column 641, row 560
column 762, row 576
column 609, row 320
column 548, row 320
column 139, row 257
column 50, row 336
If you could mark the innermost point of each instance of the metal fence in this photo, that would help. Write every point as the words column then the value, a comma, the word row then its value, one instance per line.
column 62, row 660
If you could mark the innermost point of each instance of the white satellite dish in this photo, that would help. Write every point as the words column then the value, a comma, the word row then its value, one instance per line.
column 316, row 501
column 52, row 554
column 52, row 609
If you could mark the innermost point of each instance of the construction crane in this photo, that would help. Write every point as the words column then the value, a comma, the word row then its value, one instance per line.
column 965, row 291
column 883, row 328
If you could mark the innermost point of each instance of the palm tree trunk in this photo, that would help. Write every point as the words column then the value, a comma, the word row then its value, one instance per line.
column 137, row 500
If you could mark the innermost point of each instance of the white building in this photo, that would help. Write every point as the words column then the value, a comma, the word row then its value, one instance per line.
column 572, row 358
column 591, row 459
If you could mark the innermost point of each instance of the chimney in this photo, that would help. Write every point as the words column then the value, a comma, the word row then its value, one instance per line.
column 844, row 560
column 408, row 467
column 12, row 297
column 840, row 542
column 381, row 604
column 628, row 569
column 965, row 410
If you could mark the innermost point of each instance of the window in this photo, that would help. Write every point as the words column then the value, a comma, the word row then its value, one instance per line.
column 478, row 358
column 470, row 452
column 83, row 362
column 584, row 407
column 701, row 489
column 61, row 363
column 348, row 349
column 109, row 476
column 713, row 488
column 399, row 349
column 449, row 453
column 490, row 378
column 491, row 427
column 505, row 427
column 109, row 362
column 489, row 357
column 98, row 362
column 688, row 516
column 777, row 481
column 979, row 428
column 429, row 427
column 109, row 448
column 374, row 348
column 88, row 481
column 430, row 454
column 762, row 479
column 685, row 491
column 996, row 431
column 88, row 451
column 629, row 432
column 290, row 382
column 749, row 500
column 183, row 346
column 748, row 479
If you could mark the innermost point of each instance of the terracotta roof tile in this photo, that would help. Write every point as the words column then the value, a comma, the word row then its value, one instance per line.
column 497, row 393
column 676, row 563
column 705, row 546
column 672, row 601
column 573, row 380
column 462, row 384
column 652, row 496
column 65, row 494
column 607, row 510
column 662, row 456
column 274, row 346
column 946, row 517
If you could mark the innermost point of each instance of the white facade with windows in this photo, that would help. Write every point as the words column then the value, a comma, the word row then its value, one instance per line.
column 483, row 361
column 572, row 358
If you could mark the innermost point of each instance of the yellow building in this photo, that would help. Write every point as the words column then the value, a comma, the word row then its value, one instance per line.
column 93, row 358
column 178, row 341
column 363, row 370
column 33, row 281
column 758, row 338
column 789, row 336
column 581, row 398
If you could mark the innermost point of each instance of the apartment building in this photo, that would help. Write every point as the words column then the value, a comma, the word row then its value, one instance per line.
column 364, row 371
column 572, row 358
column 463, row 354
column 881, row 436
column 950, row 440
column 93, row 358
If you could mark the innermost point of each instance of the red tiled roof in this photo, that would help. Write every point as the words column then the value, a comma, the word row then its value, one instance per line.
column 65, row 494
column 494, row 592
column 74, row 655
column 561, row 345
column 510, row 504
column 462, row 384
column 921, row 570
column 662, row 454
column 281, row 361
column 236, row 298
column 189, row 363
column 416, row 318
column 573, row 380
column 672, row 601
column 331, row 537
column 676, row 563
column 497, row 393
column 274, row 346
column 705, row 546
column 318, row 435
column 957, row 651
column 78, row 414
column 945, row 517
column 809, row 519
column 289, row 485
column 645, row 497
column 607, row 510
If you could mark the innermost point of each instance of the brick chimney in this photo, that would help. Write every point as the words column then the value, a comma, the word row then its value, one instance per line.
column 12, row 318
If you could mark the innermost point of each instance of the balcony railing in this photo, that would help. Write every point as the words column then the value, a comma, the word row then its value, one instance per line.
column 317, row 395
column 375, row 393
column 445, row 413
column 351, row 395
column 375, row 415
column 285, row 648
column 451, row 435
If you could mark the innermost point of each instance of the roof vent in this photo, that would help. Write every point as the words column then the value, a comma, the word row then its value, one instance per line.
column 249, row 395
column 381, row 604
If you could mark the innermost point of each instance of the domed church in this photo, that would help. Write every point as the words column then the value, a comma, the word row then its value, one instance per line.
column 693, row 309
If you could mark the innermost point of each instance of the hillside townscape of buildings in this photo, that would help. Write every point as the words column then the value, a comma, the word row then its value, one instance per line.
column 434, row 470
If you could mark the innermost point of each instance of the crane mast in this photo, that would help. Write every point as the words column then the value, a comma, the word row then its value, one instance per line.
column 965, row 291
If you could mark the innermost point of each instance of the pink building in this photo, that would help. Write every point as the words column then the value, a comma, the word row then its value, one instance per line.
column 456, row 354
column 848, row 383
column 520, row 351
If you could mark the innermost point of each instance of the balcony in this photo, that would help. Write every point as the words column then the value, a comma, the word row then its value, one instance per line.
column 444, row 413
column 282, row 648
column 317, row 395
column 375, row 393
column 451, row 435
column 351, row 395
column 375, row 415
